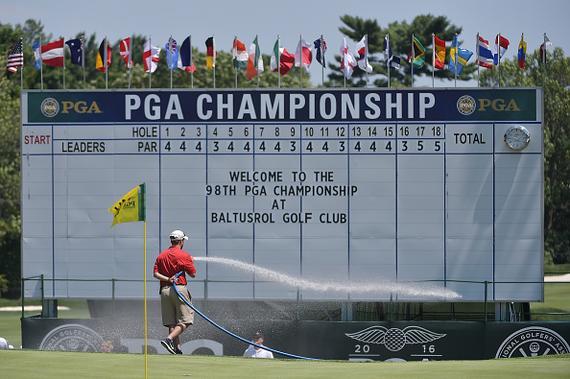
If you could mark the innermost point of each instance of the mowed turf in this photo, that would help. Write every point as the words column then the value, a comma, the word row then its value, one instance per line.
column 45, row 364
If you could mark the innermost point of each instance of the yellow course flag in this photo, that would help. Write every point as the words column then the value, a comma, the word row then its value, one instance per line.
column 131, row 207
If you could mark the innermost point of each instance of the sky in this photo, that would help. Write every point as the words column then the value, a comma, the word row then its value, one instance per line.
column 247, row 18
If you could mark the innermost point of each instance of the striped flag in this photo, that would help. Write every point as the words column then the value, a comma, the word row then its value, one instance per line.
column 521, row 56
column 501, row 46
column 485, row 54
column 303, row 55
column 439, row 53
column 210, row 53
column 255, row 61
column 185, row 57
column 15, row 57
column 52, row 53
column 239, row 54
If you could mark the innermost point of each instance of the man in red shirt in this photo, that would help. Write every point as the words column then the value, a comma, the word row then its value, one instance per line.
column 176, row 315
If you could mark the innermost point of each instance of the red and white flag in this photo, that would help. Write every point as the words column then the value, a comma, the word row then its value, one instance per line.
column 150, row 57
column 303, row 55
column 362, row 51
column 52, row 53
column 125, row 51
column 347, row 61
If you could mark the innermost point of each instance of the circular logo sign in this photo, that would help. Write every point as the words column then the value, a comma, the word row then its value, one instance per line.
column 466, row 105
column 49, row 107
column 72, row 337
column 531, row 342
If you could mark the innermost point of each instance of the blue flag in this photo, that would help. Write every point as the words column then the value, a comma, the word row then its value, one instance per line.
column 37, row 55
column 186, row 53
column 463, row 56
column 171, row 54
column 76, row 50
column 321, row 48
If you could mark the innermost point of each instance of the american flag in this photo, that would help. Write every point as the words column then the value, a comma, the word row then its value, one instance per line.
column 15, row 57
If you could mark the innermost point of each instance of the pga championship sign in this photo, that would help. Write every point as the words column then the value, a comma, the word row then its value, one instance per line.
column 336, row 185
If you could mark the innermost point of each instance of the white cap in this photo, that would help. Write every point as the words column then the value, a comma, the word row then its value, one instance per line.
column 3, row 344
column 178, row 235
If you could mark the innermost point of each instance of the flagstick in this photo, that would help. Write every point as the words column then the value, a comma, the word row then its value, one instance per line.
column 130, row 60
column 278, row 62
column 150, row 63
column 433, row 60
column 323, row 60
column 412, row 62
column 498, row 44
column 145, row 310
column 478, row 65
column 456, row 49
column 105, row 52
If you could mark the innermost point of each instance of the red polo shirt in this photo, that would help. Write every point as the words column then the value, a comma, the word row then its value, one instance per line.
column 173, row 260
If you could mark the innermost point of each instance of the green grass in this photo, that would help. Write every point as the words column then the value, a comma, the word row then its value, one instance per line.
column 556, row 300
column 29, row 364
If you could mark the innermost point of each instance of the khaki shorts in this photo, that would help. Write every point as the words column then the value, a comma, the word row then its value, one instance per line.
column 174, row 311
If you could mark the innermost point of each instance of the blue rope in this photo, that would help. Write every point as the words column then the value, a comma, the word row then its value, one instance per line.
column 183, row 299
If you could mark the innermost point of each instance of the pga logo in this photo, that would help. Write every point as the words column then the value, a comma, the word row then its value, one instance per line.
column 531, row 342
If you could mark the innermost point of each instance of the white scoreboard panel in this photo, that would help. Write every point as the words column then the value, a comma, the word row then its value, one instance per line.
column 441, row 185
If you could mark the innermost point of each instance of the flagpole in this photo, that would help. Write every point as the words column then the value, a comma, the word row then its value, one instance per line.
column 300, row 61
column 130, row 60
column 257, row 61
column 412, row 60
column 150, row 62
column 63, row 69
column 41, row 66
column 214, row 57
column 278, row 61
column 344, row 52
column 234, row 51
column 83, row 58
column 22, row 67
column 498, row 45
column 366, row 59
column 543, row 58
column 105, row 52
column 433, row 60
column 145, row 309
column 388, row 60
column 170, row 55
column 478, row 65
column 323, row 60
column 455, row 67
column 191, row 73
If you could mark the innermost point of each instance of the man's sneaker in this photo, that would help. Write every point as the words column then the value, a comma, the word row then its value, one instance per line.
column 168, row 345
column 178, row 351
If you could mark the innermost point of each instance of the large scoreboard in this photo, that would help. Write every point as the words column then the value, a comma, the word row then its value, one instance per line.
column 335, row 185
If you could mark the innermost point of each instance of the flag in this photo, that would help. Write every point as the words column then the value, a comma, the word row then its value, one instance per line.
column 210, row 53
column 239, row 53
column 320, row 47
column 484, row 53
column 185, row 56
column 76, row 50
column 544, row 49
column 171, row 54
column 462, row 55
column 501, row 46
column 99, row 65
column 392, row 60
column 521, row 56
column 254, row 61
column 130, row 207
column 347, row 61
column 362, row 51
column 439, row 48
column 52, row 53
column 125, row 51
column 285, row 58
column 303, row 55
column 37, row 55
column 418, row 56
column 15, row 57
column 151, row 56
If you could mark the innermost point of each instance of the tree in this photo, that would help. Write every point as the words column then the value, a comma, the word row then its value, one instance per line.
column 555, row 79
column 400, row 41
